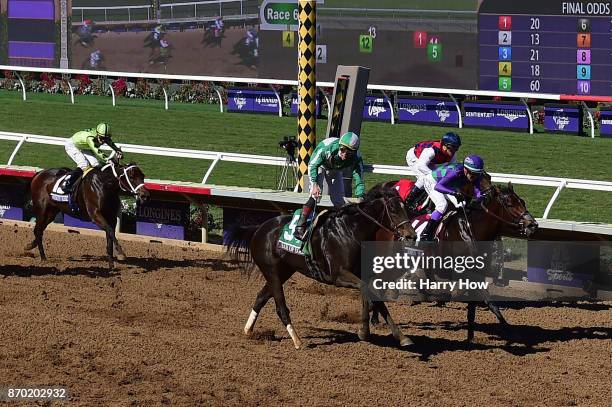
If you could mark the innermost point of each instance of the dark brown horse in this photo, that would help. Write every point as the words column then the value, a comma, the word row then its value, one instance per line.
column 501, row 213
column 336, row 256
column 96, row 196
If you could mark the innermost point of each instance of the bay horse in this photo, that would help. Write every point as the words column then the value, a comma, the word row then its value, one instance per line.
column 336, row 255
column 96, row 195
column 501, row 213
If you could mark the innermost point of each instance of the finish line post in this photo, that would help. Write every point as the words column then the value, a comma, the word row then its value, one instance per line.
column 306, row 86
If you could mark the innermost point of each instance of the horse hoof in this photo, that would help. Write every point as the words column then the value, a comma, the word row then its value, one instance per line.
column 363, row 336
column 405, row 342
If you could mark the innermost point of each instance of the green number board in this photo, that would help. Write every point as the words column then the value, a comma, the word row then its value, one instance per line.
column 434, row 52
column 366, row 43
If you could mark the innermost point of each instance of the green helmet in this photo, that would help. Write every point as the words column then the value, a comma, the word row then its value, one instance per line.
column 103, row 130
column 350, row 140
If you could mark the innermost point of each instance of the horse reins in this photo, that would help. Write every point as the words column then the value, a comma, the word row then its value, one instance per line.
column 394, row 232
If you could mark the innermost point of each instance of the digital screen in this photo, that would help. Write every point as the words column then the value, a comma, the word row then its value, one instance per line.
column 544, row 46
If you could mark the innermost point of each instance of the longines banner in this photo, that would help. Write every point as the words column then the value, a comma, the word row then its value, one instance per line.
column 563, row 118
column 241, row 100
column 496, row 115
column 441, row 111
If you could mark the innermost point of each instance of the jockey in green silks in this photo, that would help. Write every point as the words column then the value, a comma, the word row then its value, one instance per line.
column 331, row 156
column 83, row 149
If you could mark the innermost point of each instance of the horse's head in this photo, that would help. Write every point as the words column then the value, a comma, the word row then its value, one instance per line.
column 132, row 180
column 513, row 211
column 389, row 212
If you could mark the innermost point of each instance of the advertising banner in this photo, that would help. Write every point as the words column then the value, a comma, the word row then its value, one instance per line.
column 605, row 123
column 162, row 219
column 563, row 118
column 496, row 115
column 377, row 108
column 241, row 100
column 12, row 201
column 440, row 111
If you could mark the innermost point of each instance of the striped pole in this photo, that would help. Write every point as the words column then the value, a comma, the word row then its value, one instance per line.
column 306, row 87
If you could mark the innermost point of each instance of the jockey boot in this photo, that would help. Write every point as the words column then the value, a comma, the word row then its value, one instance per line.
column 430, row 231
column 412, row 196
column 74, row 176
column 300, row 228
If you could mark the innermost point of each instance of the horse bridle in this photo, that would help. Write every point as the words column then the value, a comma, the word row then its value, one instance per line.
column 378, row 222
column 124, row 174
column 517, row 224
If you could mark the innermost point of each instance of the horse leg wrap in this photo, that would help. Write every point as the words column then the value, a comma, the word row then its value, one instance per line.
column 248, row 328
column 297, row 342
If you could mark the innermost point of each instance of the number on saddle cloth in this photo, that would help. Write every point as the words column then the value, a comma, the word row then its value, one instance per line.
column 287, row 240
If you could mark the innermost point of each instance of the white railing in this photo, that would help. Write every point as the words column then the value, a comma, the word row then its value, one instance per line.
column 188, row 10
column 215, row 156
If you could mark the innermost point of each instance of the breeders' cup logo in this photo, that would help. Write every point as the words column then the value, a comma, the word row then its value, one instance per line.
column 442, row 112
column 560, row 119
column 3, row 209
column 375, row 107
column 240, row 100
column 511, row 114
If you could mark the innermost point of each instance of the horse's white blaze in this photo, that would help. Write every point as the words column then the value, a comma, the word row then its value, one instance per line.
column 297, row 342
column 248, row 328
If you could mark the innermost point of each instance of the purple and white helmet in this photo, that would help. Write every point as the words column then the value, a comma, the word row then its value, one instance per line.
column 474, row 164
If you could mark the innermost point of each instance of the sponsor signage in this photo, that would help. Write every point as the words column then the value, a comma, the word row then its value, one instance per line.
column 377, row 108
column 605, row 123
column 252, row 101
column 496, row 115
column 280, row 15
column 163, row 219
column 440, row 111
column 563, row 118
column 294, row 105
column 571, row 264
column 12, row 201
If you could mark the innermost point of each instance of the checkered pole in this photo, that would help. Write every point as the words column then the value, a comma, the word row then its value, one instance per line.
column 307, row 86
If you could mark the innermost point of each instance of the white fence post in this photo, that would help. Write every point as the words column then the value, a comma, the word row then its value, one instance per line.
column 554, row 198
column 165, row 98
column 529, row 116
column 210, row 169
column 280, row 102
column 216, row 88
column 110, row 86
column 458, row 110
column 23, row 89
column 388, row 100
column 590, row 119
column 71, row 90
column 12, row 157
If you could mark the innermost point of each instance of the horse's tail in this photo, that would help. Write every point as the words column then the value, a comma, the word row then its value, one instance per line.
column 237, row 241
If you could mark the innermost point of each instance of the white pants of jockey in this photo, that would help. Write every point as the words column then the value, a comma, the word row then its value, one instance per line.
column 82, row 158
column 438, row 198
column 411, row 161
column 335, row 185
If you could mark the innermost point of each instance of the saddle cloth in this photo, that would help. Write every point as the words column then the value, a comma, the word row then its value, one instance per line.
column 287, row 240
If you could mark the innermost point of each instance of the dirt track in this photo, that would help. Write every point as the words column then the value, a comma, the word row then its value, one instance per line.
column 167, row 329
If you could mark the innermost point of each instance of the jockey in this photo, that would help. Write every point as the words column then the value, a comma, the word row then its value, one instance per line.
column 83, row 149
column 331, row 156
column 218, row 25
column 157, row 32
column 426, row 155
column 449, row 179
column 95, row 58
column 251, row 37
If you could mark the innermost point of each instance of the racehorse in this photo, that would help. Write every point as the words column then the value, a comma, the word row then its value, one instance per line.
column 336, row 250
column 97, row 197
column 248, row 51
column 213, row 35
column 502, row 212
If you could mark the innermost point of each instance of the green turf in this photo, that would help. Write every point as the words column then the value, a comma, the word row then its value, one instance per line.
column 202, row 127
